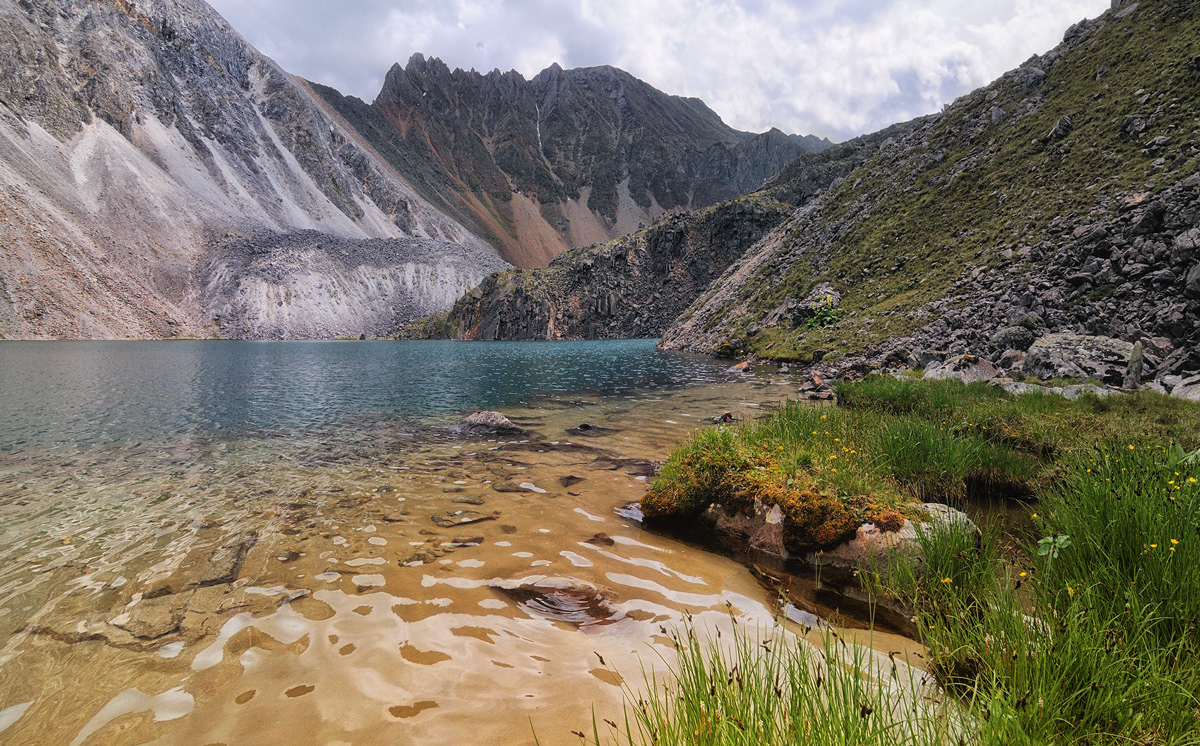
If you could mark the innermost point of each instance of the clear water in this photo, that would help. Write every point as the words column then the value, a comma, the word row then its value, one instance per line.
column 82, row 393
column 273, row 543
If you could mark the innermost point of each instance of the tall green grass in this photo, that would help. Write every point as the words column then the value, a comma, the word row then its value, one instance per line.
column 767, row 687
column 1097, row 642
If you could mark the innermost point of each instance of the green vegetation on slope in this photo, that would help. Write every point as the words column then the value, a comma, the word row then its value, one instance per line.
column 908, row 223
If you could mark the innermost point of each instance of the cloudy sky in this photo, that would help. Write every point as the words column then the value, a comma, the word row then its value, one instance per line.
column 836, row 68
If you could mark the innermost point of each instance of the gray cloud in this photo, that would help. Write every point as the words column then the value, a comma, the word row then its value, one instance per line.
column 831, row 67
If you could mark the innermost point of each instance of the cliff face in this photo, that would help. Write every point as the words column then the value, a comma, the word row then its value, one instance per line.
column 139, row 139
column 569, row 158
column 628, row 287
column 1064, row 197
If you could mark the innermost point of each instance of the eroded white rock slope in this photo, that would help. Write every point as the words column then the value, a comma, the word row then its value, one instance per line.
column 160, row 177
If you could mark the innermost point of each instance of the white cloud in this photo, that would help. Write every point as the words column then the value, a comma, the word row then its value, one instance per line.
column 832, row 67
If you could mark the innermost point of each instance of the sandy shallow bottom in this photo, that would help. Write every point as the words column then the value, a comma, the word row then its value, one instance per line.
column 367, row 583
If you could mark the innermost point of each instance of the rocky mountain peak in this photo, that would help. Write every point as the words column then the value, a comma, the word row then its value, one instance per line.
column 567, row 158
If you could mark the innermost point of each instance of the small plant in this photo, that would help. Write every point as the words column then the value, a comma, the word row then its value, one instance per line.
column 824, row 314
column 1050, row 546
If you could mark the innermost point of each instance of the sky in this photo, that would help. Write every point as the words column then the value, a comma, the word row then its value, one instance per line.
column 835, row 68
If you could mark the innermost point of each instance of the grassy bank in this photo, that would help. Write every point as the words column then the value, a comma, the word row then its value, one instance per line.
column 1084, row 632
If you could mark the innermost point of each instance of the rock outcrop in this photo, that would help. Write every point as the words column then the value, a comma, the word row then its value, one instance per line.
column 630, row 287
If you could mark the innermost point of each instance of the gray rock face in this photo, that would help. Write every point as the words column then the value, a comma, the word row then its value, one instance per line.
column 630, row 287
column 599, row 150
column 133, row 136
column 1079, row 356
column 1188, row 388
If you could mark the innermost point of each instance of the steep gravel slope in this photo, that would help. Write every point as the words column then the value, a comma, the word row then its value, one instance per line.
column 138, row 138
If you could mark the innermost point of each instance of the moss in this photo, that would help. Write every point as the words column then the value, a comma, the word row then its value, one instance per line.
column 889, row 520
column 892, row 444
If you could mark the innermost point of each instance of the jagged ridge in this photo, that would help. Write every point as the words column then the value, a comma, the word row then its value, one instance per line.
column 568, row 158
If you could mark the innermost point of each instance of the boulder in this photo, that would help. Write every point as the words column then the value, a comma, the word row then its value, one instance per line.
column 1011, row 360
column 1188, row 389
column 488, row 422
column 1079, row 356
column 1137, row 363
column 868, row 549
column 1012, row 338
column 871, row 546
column 965, row 368
column 1191, row 286
column 1062, row 129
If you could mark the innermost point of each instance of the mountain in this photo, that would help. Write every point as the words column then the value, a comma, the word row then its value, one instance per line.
column 154, row 163
column 635, row 286
column 1062, row 198
column 567, row 159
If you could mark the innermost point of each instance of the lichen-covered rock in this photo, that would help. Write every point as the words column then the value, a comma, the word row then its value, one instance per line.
column 871, row 547
column 1013, row 338
column 1079, row 356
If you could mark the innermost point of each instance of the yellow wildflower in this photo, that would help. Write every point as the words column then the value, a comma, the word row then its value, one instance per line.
column 1175, row 542
column 1021, row 574
column 1154, row 546
column 946, row 580
column 1071, row 591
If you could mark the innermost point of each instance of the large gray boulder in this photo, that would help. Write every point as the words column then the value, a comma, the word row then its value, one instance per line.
column 965, row 368
column 1079, row 356
column 1013, row 338
column 1188, row 388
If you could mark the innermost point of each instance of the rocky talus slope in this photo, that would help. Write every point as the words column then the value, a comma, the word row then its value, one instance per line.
column 138, row 140
column 1064, row 199
column 310, row 285
column 566, row 159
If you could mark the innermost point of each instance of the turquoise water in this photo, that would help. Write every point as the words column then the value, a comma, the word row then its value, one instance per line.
column 82, row 393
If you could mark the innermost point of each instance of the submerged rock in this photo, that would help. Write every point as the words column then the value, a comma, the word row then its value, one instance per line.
column 561, row 599
column 487, row 423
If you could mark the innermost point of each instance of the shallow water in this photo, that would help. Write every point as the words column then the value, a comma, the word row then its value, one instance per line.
column 301, row 551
